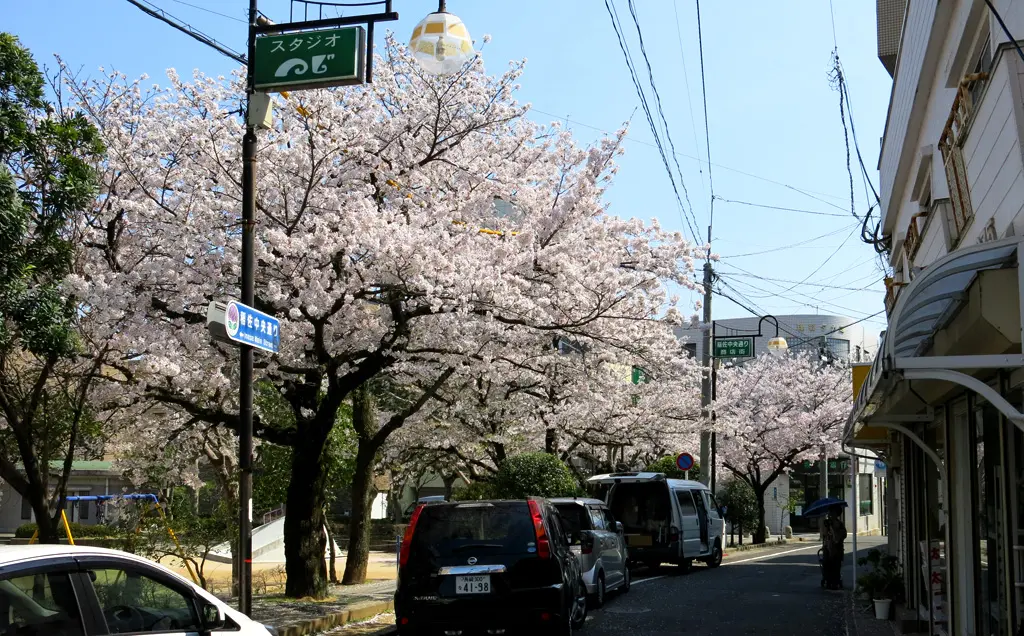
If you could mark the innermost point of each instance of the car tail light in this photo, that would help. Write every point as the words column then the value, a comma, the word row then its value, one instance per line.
column 543, row 545
column 673, row 534
column 403, row 556
column 587, row 543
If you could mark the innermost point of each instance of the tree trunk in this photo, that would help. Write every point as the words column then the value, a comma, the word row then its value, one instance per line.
column 304, row 544
column 332, row 568
column 550, row 442
column 358, row 556
column 759, row 534
column 449, row 485
column 49, row 524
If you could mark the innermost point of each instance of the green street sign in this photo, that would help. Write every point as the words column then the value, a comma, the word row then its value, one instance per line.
column 734, row 347
column 310, row 59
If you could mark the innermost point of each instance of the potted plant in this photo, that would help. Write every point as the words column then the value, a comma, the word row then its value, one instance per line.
column 883, row 583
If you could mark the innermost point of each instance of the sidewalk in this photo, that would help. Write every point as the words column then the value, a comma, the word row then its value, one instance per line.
column 861, row 621
column 344, row 604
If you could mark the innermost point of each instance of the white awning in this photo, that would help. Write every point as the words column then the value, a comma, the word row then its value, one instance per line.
column 926, row 306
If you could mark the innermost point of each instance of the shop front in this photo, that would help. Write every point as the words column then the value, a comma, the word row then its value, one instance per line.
column 941, row 405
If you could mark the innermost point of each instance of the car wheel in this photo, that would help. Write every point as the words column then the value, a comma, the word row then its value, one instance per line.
column 715, row 559
column 578, row 609
column 600, row 590
column 626, row 580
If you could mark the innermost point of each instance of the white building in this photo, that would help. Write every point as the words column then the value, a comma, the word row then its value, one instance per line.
column 844, row 339
column 942, row 400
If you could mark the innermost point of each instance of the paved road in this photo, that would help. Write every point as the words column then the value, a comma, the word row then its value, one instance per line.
column 771, row 593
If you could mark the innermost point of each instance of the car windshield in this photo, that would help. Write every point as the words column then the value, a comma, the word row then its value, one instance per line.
column 575, row 518
column 501, row 527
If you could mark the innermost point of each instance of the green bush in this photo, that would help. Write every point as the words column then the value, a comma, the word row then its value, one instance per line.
column 476, row 491
column 534, row 475
column 77, row 530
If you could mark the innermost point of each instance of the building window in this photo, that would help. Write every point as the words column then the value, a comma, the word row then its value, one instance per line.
column 838, row 348
column 691, row 349
column 26, row 509
column 981, row 70
column 866, row 492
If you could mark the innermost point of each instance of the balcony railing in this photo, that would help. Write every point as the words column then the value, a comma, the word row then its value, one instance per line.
column 892, row 291
column 951, row 144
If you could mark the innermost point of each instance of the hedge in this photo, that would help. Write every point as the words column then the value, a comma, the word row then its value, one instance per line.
column 77, row 530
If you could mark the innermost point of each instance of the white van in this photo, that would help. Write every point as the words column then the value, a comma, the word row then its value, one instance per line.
column 665, row 520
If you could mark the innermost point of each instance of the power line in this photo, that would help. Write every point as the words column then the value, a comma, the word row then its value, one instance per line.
column 223, row 15
column 791, row 245
column 823, row 303
column 686, row 85
column 807, row 193
column 825, row 262
column 187, row 29
column 822, row 286
column 620, row 35
column 775, row 207
column 825, row 282
column 707, row 131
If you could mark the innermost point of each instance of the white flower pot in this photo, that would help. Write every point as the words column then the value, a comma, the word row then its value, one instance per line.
column 882, row 608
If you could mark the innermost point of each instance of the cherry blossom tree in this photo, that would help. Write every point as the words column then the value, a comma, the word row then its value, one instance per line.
column 773, row 413
column 379, row 247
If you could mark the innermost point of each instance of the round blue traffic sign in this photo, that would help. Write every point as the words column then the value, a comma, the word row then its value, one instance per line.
column 684, row 461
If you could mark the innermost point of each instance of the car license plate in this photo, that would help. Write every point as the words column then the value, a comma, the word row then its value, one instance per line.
column 473, row 584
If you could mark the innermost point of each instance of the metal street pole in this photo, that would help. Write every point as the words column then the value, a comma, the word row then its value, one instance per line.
column 245, row 355
column 705, row 383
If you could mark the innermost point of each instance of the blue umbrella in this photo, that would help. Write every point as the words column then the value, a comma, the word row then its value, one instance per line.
column 821, row 506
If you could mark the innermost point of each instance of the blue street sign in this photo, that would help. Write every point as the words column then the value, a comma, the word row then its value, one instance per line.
column 249, row 326
column 879, row 464
column 684, row 461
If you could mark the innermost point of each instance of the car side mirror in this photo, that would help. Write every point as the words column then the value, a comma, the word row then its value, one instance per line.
column 619, row 527
column 213, row 615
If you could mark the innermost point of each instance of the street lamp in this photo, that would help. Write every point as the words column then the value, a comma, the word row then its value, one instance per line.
column 441, row 42
column 777, row 346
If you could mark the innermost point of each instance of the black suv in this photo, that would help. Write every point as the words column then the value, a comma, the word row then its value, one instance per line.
column 488, row 567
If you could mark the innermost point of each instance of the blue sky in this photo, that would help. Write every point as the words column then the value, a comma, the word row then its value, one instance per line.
column 773, row 117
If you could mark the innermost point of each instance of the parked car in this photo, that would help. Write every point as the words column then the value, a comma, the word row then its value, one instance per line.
column 60, row 590
column 599, row 542
column 407, row 513
column 666, row 520
column 490, row 566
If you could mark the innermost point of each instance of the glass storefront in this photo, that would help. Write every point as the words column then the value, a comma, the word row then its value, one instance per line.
column 990, row 539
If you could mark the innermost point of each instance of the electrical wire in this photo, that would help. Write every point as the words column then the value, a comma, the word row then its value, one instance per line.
column 707, row 131
column 821, row 285
column 152, row 10
column 791, row 245
column 775, row 207
column 808, row 193
column 821, row 303
column 620, row 35
column 689, row 101
column 218, row 13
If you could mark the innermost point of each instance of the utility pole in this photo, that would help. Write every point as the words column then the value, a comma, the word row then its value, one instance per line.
column 246, row 352
column 823, row 474
column 705, row 382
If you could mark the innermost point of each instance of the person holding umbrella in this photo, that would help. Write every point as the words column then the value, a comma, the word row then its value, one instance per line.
column 833, row 536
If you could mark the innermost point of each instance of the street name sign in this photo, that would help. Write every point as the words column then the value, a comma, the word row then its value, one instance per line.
column 310, row 59
column 238, row 324
column 734, row 347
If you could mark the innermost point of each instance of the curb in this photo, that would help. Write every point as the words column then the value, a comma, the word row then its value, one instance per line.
column 356, row 613
column 747, row 547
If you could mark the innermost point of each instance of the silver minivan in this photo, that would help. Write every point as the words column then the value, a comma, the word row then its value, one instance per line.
column 665, row 520
column 598, row 542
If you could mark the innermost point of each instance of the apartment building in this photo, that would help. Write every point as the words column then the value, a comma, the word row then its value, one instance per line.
column 942, row 401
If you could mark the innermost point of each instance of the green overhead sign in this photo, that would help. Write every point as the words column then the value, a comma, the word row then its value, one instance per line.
column 734, row 347
column 310, row 59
